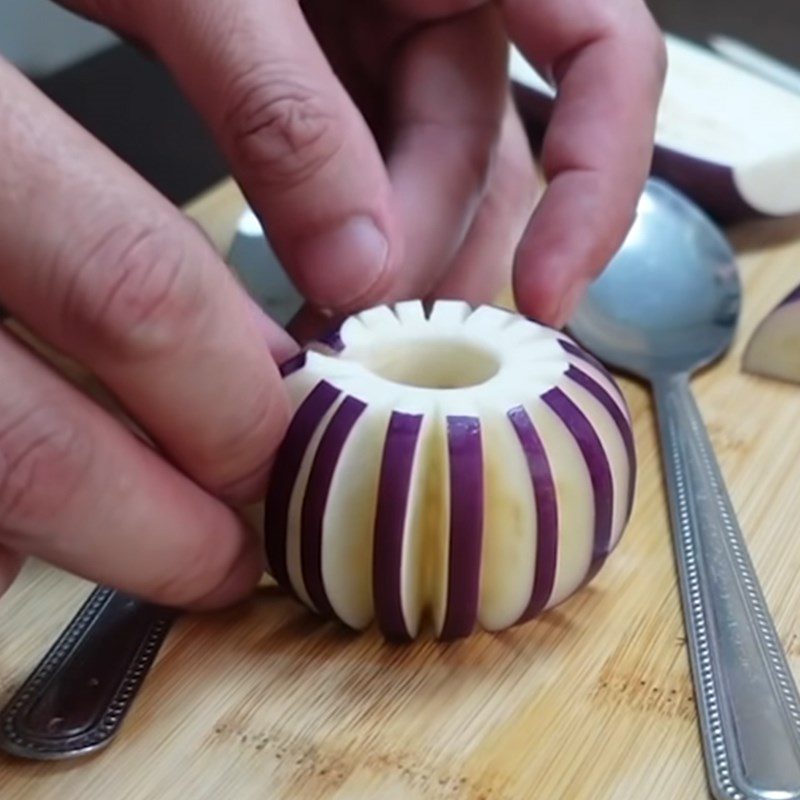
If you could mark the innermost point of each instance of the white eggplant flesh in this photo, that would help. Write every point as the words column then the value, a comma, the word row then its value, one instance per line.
column 774, row 348
column 446, row 470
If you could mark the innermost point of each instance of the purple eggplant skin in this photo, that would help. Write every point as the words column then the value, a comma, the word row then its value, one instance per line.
column 544, row 492
column 599, row 472
column 284, row 474
column 316, row 498
column 465, row 461
column 394, row 488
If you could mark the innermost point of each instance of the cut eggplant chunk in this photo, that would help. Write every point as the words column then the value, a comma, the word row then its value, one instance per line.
column 445, row 470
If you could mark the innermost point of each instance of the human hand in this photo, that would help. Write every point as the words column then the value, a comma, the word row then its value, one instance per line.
column 98, row 265
column 430, row 77
column 416, row 181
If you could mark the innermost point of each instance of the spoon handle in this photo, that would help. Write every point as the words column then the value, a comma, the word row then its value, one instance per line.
column 747, row 701
column 75, row 699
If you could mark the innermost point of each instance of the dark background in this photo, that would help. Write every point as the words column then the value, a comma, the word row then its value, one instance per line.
column 130, row 103
column 770, row 25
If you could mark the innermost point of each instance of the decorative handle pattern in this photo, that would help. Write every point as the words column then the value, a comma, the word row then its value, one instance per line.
column 747, row 701
column 74, row 701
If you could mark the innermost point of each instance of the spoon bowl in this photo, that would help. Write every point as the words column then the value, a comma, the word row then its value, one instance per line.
column 669, row 300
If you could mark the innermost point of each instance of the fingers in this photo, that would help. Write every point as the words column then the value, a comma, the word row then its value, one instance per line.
column 448, row 112
column 482, row 267
column 310, row 166
column 99, row 265
column 78, row 490
column 10, row 565
column 608, row 60
column 297, row 144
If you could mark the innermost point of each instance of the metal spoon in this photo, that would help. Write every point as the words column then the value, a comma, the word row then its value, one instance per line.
column 667, row 305
column 76, row 698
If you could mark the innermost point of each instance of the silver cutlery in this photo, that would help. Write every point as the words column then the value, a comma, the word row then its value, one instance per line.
column 667, row 305
column 76, row 698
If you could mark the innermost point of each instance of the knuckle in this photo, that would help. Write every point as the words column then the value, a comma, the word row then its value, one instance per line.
column 281, row 131
column 44, row 458
column 134, row 296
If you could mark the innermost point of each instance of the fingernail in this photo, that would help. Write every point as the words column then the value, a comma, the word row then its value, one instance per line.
column 340, row 265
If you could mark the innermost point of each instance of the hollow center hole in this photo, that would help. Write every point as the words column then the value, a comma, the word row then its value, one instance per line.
column 433, row 363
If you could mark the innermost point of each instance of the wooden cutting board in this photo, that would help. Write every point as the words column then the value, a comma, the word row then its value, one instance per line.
column 593, row 700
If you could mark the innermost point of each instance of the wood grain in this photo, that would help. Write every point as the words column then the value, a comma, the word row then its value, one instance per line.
column 593, row 700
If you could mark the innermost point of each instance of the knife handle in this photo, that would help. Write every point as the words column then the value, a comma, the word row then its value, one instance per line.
column 74, row 701
column 747, row 700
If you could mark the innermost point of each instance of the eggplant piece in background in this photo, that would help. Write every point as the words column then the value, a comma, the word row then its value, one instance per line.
column 725, row 137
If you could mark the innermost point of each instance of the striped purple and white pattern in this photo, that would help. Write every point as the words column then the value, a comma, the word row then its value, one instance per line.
column 431, row 517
